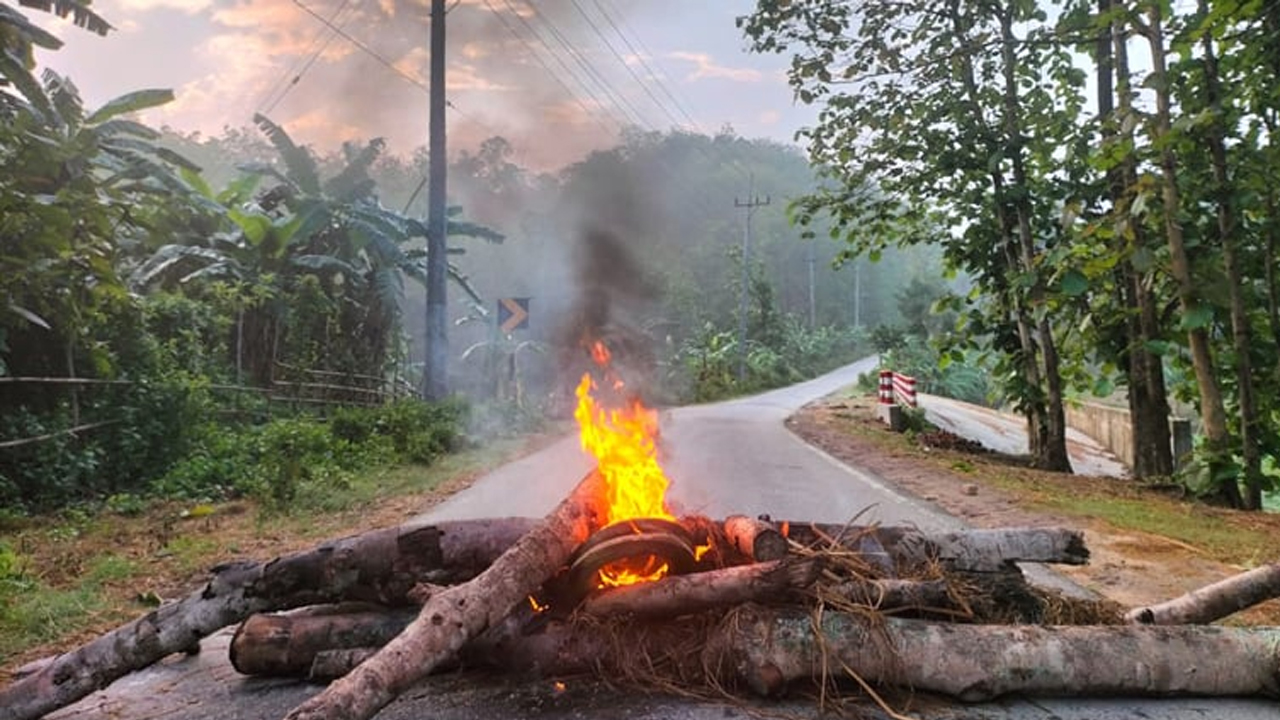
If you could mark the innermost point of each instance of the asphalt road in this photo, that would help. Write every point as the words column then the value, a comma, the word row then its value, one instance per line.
column 734, row 457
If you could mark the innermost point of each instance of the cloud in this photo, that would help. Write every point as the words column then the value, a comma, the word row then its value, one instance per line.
column 705, row 67
column 769, row 117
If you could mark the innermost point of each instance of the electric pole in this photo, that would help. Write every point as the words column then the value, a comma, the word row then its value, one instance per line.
column 752, row 202
column 813, row 305
column 435, row 374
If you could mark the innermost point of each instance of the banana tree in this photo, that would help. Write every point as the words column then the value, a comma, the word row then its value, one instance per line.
column 328, row 240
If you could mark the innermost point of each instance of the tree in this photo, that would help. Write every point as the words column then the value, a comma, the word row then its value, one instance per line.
column 937, row 116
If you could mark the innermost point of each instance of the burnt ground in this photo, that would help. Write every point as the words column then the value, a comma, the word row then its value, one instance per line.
column 1131, row 566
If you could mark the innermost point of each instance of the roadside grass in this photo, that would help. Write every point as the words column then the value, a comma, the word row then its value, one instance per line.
column 68, row 578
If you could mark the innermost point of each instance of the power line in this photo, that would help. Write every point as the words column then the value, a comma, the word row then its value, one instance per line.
column 284, row 85
column 621, row 60
column 590, row 71
column 641, row 57
column 367, row 50
column 497, row 13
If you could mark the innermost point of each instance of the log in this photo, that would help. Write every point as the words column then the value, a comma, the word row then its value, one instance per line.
column 452, row 617
column 769, row 649
column 977, row 550
column 328, row 644
column 287, row 645
column 766, row 650
column 755, row 539
column 1213, row 602
column 377, row 566
column 889, row 595
column 685, row 594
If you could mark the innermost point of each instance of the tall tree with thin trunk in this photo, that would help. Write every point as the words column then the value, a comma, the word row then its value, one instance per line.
column 1227, row 237
column 1195, row 318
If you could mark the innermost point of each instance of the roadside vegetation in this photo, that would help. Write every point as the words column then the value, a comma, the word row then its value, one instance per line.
column 1100, row 175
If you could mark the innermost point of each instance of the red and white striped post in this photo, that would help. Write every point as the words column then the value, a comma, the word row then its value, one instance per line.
column 904, row 386
column 886, row 387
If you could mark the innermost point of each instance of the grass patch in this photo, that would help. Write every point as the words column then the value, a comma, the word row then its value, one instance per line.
column 66, row 578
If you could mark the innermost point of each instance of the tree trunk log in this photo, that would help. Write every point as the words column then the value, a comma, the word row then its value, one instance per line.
column 686, row 594
column 377, row 566
column 979, row 662
column 1213, row 602
column 968, row 550
column 766, row 650
column 450, row 618
column 287, row 645
column 756, row 539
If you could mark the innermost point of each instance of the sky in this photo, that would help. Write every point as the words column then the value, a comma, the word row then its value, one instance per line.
column 558, row 78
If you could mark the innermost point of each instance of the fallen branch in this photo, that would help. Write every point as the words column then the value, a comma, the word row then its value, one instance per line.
column 378, row 566
column 1215, row 601
column 452, row 617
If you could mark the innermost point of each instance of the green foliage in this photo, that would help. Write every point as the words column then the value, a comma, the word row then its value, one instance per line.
column 288, row 460
column 705, row 366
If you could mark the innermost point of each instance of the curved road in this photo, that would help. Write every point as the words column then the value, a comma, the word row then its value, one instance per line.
column 732, row 457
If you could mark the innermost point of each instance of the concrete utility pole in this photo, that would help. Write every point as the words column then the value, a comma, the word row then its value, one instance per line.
column 435, row 374
column 813, row 304
column 752, row 202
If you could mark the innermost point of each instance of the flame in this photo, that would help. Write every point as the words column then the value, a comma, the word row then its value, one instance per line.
column 785, row 530
column 537, row 606
column 630, row 571
column 701, row 550
column 623, row 442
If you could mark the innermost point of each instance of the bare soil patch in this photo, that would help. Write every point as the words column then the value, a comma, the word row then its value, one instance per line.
column 1129, row 565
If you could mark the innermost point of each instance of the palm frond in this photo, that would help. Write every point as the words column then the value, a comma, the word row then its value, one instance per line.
column 28, row 31
column 164, row 260
column 79, row 11
column 121, row 126
column 130, row 102
column 28, row 87
column 298, row 160
column 65, row 98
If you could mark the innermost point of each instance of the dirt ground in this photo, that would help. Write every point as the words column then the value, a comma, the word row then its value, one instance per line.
column 1131, row 567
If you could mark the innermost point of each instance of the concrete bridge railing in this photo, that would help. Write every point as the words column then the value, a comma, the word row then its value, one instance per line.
column 1111, row 427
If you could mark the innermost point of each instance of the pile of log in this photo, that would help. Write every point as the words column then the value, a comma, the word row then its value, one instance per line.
column 769, row 606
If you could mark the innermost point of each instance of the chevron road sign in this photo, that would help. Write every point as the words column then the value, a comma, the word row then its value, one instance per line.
column 513, row 314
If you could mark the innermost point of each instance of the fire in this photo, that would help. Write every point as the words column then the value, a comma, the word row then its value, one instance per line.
column 631, row 572
column 623, row 442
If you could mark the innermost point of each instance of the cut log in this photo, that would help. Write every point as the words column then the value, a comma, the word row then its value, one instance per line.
column 769, row 649
column 377, row 566
column 972, row 550
column 314, row 644
column 287, row 645
column 450, row 618
column 755, row 539
column 766, row 650
column 685, row 594
column 1213, row 602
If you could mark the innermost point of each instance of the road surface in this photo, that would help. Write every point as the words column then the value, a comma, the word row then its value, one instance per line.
column 733, row 457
